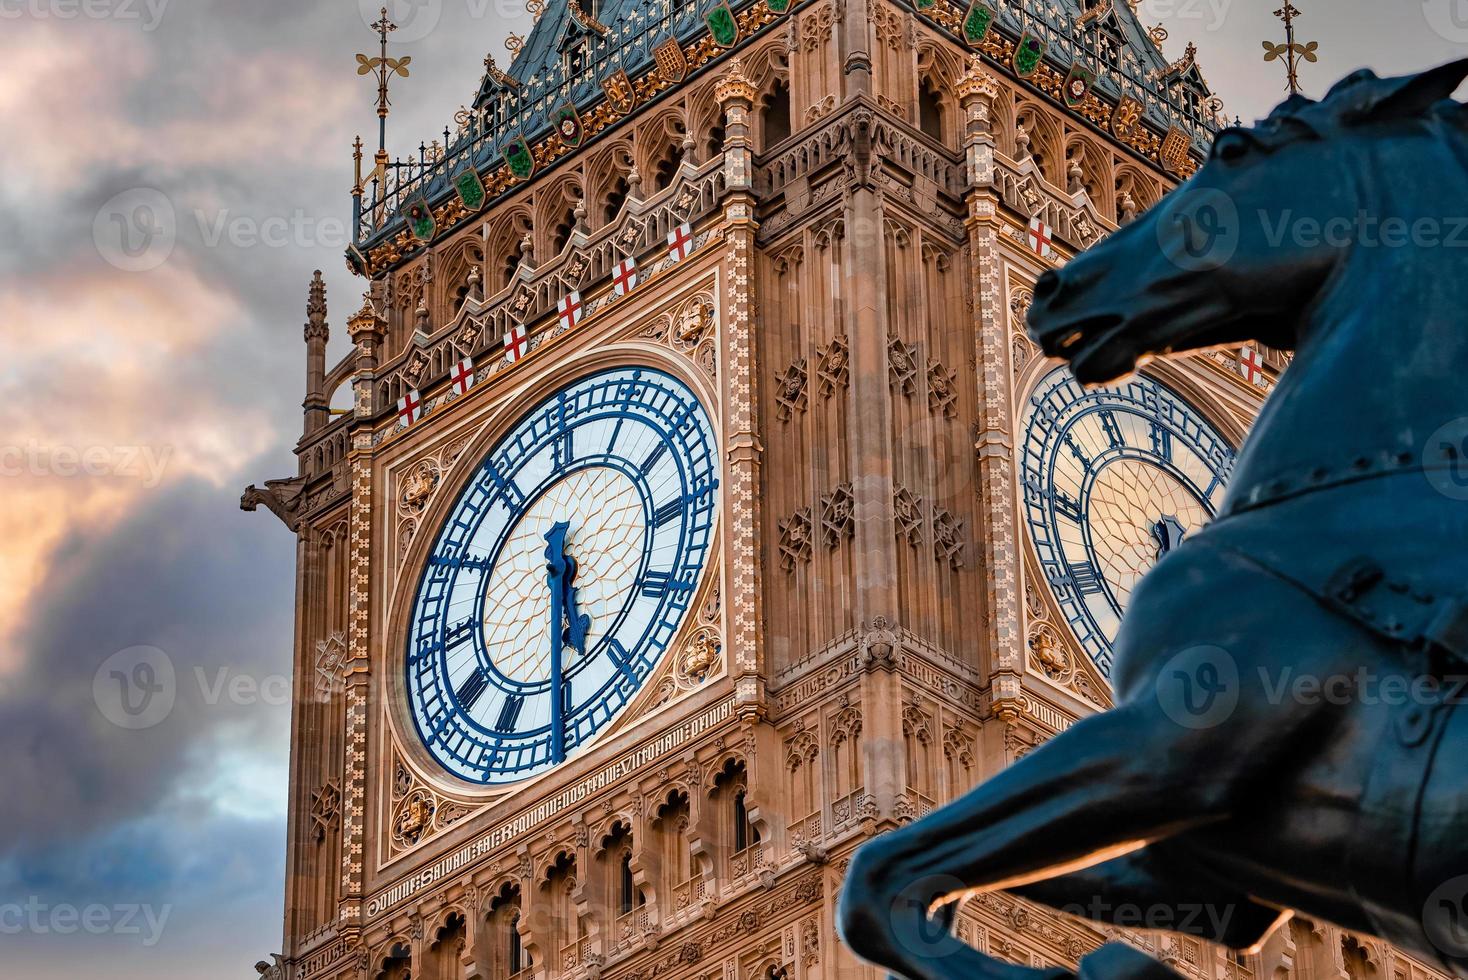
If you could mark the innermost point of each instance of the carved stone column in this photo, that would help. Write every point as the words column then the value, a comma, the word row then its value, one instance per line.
column 318, row 402
column 999, row 533
column 739, row 375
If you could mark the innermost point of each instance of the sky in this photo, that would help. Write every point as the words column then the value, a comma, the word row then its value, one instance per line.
column 173, row 171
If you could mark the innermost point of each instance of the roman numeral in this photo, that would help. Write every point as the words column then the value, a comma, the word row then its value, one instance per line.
column 1077, row 451
column 656, row 584
column 1161, row 442
column 1113, row 431
column 1085, row 577
column 477, row 564
column 1067, row 506
column 622, row 659
column 458, row 634
column 565, row 447
column 668, row 512
column 509, row 714
column 654, row 457
column 469, row 691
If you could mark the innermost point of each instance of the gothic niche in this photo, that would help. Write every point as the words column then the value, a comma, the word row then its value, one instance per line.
column 838, row 515
column 790, row 391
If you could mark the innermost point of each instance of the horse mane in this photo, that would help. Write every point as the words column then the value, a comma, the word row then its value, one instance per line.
column 1362, row 98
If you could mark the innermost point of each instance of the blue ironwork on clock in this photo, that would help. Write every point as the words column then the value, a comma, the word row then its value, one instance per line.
column 1114, row 478
column 562, row 574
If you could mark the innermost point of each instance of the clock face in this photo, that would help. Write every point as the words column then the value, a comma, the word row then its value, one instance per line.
column 562, row 574
column 1114, row 478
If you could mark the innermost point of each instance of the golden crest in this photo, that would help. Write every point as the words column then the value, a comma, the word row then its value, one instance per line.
column 1127, row 116
column 1173, row 152
column 618, row 87
column 672, row 63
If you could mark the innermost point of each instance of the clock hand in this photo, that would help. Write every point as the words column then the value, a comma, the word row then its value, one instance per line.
column 577, row 622
column 556, row 572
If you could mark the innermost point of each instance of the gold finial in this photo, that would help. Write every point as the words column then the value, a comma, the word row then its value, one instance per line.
column 385, row 68
column 1157, row 35
column 535, row 8
column 513, row 44
column 1292, row 52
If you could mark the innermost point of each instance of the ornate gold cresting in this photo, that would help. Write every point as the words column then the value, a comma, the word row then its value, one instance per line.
column 1291, row 51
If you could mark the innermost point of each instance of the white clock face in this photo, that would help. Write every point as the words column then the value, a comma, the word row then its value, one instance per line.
column 562, row 574
column 1114, row 478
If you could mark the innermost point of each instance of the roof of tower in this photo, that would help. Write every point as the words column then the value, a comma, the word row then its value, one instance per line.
column 576, row 46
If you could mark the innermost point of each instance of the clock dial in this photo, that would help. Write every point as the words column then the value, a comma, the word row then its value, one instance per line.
column 1114, row 478
column 562, row 574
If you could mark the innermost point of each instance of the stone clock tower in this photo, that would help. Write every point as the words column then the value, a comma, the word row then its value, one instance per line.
column 693, row 507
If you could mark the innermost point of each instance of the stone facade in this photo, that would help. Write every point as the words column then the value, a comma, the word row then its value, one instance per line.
column 869, row 640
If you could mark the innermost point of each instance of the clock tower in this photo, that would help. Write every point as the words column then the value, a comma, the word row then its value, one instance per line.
column 691, row 506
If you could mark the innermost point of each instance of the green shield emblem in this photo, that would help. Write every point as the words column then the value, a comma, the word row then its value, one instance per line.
column 568, row 125
column 722, row 26
column 420, row 219
column 976, row 22
column 1077, row 85
column 778, row 6
column 1028, row 54
column 519, row 158
column 926, row 4
column 470, row 188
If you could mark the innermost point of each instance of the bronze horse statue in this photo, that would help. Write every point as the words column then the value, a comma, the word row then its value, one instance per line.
column 1285, row 679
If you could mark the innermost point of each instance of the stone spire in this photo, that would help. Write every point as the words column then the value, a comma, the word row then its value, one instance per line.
column 317, row 404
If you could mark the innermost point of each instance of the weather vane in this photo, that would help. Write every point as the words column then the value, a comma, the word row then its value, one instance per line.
column 1291, row 51
column 385, row 68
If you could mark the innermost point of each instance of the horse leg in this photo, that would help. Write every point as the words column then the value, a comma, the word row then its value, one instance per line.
column 1146, row 889
column 1105, row 787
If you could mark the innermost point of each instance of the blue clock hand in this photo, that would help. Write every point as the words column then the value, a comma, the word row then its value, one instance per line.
column 556, row 578
column 577, row 623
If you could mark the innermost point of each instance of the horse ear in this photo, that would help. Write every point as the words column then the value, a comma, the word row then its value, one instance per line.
column 1411, row 95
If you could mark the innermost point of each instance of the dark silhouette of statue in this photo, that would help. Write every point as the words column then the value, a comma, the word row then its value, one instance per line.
column 1286, row 680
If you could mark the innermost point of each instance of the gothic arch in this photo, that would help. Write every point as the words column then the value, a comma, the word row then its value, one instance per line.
column 1046, row 144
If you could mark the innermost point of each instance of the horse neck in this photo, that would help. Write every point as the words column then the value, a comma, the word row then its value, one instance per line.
column 1382, row 359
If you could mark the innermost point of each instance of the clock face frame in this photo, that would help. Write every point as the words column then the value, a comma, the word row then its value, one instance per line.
column 597, row 508
column 1112, row 478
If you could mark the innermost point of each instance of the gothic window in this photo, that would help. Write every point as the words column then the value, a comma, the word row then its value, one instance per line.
column 746, row 834
column 930, row 109
column 672, row 823
column 442, row 961
column 628, row 895
column 714, row 144
column 562, row 233
column 397, row 964
column 665, row 168
column 775, row 116
column 515, row 958
column 565, row 925
column 612, row 203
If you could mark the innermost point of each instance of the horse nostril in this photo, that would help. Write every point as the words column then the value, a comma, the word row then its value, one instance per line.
column 1047, row 286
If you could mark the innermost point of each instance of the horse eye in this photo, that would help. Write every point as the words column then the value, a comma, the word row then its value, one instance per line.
column 1231, row 145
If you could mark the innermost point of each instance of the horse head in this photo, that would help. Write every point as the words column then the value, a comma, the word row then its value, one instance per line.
column 1247, row 246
